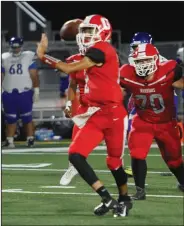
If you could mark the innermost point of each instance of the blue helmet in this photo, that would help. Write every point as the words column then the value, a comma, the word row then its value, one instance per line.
column 140, row 38
column 15, row 45
column 16, row 42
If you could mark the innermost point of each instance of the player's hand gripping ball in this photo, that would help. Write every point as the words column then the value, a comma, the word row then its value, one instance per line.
column 69, row 30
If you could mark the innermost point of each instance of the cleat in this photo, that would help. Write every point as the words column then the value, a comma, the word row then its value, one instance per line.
column 140, row 194
column 181, row 187
column 105, row 206
column 8, row 144
column 123, row 209
column 129, row 172
column 30, row 142
column 68, row 176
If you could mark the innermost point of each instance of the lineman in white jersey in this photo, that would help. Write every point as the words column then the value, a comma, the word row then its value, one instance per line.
column 20, row 88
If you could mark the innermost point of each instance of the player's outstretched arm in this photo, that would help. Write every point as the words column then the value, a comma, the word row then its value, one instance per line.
column 85, row 63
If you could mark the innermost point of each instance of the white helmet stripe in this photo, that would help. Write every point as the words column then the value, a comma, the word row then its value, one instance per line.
column 87, row 19
column 142, row 47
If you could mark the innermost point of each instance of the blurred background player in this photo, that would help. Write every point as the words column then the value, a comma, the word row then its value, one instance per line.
column 180, row 60
column 64, row 82
column 180, row 56
column 20, row 87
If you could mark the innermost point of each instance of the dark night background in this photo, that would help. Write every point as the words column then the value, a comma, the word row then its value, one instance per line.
column 164, row 20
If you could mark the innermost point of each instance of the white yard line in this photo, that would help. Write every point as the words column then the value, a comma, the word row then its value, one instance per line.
column 63, row 170
column 43, row 150
column 66, row 153
column 130, row 184
column 58, row 149
column 61, row 151
column 28, row 165
column 60, row 186
column 12, row 190
column 78, row 193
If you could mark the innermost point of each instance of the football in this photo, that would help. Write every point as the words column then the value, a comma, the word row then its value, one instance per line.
column 69, row 30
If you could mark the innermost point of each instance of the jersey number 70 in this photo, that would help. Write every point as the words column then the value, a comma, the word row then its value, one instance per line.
column 152, row 99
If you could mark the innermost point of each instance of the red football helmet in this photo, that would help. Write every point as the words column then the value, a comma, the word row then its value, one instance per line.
column 145, row 59
column 93, row 29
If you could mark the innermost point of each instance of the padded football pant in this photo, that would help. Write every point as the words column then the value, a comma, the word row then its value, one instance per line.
column 110, row 124
column 18, row 105
column 166, row 136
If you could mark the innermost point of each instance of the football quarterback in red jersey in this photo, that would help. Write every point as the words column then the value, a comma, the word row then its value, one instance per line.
column 102, row 115
column 152, row 84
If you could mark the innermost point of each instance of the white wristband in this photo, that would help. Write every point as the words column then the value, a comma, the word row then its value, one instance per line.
column 68, row 104
column 36, row 90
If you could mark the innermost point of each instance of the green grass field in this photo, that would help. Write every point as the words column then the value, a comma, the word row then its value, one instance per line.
column 31, row 194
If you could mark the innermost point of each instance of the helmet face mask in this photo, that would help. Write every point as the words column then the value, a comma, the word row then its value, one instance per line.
column 145, row 66
column 145, row 59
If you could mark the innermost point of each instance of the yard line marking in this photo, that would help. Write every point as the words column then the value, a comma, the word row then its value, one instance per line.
column 63, row 170
column 131, row 184
column 66, row 153
column 62, row 151
column 58, row 149
column 31, row 165
column 80, row 193
column 60, row 186
column 12, row 190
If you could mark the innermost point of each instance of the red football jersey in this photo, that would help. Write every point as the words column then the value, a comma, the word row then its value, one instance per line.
column 154, row 100
column 102, row 82
column 78, row 76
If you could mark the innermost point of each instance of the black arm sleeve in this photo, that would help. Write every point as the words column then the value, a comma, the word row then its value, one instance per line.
column 96, row 55
column 177, row 73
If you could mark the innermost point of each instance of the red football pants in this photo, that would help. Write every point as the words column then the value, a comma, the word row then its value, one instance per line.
column 166, row 136
column 74, row 131
column 110, row 124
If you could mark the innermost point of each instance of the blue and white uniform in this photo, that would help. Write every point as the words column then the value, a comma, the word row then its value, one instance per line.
column 17, row 94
